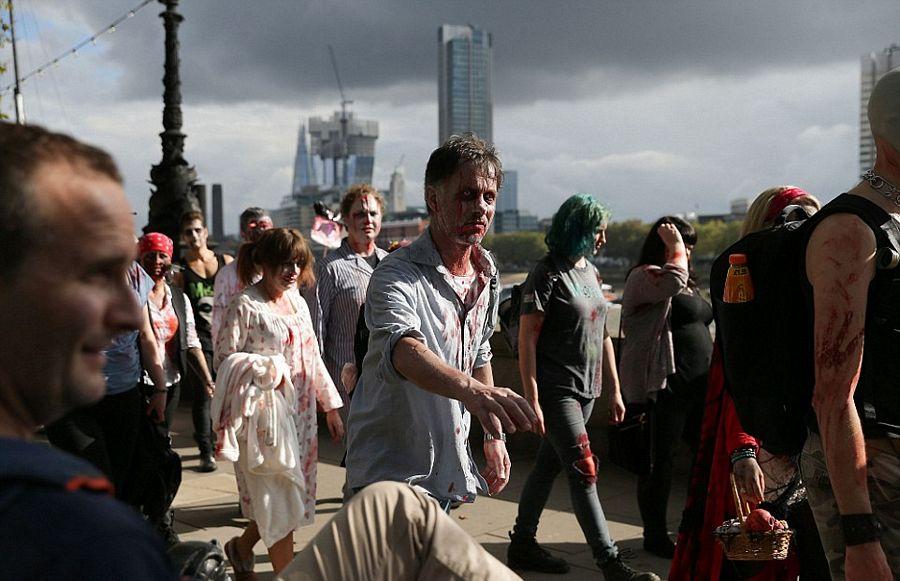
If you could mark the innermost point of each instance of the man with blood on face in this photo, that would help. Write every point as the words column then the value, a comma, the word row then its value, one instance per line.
column 431, row 309
column 68, row 246
column 342, row 278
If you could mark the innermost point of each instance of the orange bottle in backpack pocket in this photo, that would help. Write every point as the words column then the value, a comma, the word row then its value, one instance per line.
column 738, row 284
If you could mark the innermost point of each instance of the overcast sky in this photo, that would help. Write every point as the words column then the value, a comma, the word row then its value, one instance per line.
column 653, row 106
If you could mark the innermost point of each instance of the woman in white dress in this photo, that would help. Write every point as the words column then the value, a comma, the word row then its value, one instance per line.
column 270, row 318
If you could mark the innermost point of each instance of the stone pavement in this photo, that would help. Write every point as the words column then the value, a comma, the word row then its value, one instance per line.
column 206, row 507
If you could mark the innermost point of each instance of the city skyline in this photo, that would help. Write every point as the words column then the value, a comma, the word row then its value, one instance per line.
column 654, row 107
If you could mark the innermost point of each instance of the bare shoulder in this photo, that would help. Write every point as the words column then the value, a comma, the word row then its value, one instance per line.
column 227, row 258
column 841, row 244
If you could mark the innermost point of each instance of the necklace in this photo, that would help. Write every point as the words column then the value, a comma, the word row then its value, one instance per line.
column 882, row 186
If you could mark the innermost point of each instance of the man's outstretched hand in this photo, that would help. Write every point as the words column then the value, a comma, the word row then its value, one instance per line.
column 499, row 409
column 496, row 473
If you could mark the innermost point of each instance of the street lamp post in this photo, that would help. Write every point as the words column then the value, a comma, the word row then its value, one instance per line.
column 172, row 177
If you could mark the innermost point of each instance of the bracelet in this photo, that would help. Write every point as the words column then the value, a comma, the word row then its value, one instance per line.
column 741, row 454
column 488, row 437
column 859, row 529
column 157, row 390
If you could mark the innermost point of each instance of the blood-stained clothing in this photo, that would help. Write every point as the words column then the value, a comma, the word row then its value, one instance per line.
column 397, row 430
column 570, row 345
column 252, row 326
column 342, row 278
column 648, row 355
column 166, row 327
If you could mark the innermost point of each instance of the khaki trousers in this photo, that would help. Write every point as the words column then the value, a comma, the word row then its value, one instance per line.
column 390, row 531
column 883, row 471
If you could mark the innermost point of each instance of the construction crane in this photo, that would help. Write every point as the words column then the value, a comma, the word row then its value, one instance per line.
column 344, row 148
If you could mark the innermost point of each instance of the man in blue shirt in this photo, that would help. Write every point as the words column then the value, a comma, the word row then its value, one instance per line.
column 64, row 295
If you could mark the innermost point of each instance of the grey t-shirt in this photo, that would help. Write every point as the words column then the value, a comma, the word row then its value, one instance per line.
column 570, row 346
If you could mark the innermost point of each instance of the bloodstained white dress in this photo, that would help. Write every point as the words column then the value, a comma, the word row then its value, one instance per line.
column 250, row 325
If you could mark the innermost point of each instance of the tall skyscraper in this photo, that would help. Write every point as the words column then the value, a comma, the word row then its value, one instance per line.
column 465, row 79
column 873, row 67
column 397, row 191
column 509, row 191
column 218, row 214
column 304, row 168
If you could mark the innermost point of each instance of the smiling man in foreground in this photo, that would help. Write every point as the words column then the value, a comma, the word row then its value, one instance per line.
column 63, row 297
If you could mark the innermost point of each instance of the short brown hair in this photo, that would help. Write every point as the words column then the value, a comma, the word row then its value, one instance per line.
column 189, row 217
column 24, row 149
column 459, row 150
column 274, row 248
column 355, row 192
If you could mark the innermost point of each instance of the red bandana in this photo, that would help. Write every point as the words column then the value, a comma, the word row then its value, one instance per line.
column 782, row 201
column 156, row 242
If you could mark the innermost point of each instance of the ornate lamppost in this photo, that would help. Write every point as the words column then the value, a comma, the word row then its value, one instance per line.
column 172, row 177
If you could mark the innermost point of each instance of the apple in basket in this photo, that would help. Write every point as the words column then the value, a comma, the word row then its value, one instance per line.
column 761, row 521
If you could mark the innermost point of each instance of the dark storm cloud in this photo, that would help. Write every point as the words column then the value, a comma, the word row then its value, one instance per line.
column 276, row 50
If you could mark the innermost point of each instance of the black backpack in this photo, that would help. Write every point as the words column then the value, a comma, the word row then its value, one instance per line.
column 510, row 309
column 767, row 343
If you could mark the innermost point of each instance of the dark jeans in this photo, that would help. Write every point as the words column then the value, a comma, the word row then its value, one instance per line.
column 200, row 407
column 566, row 445
column 103, row 434
column 670, row 413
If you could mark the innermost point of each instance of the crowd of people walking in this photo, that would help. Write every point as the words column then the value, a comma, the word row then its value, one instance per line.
column 394, row 350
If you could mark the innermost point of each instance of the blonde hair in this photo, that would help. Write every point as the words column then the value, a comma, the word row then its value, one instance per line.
column 756, row 214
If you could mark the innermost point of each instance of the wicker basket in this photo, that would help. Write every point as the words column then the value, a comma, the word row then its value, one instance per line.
column 750, row 546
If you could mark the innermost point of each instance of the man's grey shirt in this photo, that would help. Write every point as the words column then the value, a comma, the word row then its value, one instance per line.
column 342, row 278
column 397, row 430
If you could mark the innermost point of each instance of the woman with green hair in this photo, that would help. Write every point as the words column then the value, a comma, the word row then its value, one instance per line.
column 562, row 346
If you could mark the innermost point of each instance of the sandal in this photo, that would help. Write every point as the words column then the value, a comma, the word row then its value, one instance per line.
column 243, row 569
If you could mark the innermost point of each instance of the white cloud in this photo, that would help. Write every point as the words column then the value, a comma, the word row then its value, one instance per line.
column 645, row 144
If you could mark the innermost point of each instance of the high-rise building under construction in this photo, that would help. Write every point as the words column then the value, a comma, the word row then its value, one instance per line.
column 346, row 146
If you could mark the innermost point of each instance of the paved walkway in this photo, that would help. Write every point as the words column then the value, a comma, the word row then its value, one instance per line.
column 206, row 508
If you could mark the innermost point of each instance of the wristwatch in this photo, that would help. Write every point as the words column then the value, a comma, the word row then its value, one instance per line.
column 860, row 528
column 488, row 437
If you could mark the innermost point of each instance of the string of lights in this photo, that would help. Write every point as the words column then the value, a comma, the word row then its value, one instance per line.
column 109, row 29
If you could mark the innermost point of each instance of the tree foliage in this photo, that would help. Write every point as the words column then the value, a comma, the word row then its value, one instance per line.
column 624, row 240
column 516, row 251
column 519, row 250
column 714, row 237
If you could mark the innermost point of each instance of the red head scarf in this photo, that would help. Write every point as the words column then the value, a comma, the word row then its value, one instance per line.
column 156, row 242
column 782, row 200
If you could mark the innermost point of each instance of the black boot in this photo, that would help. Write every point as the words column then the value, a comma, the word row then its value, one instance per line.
column 524, row 553
column 207, row 463
column 166, row 529
column 661, row 546
column 615, row 570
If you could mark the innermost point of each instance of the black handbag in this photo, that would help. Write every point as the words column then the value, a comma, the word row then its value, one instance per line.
column 631, row 441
